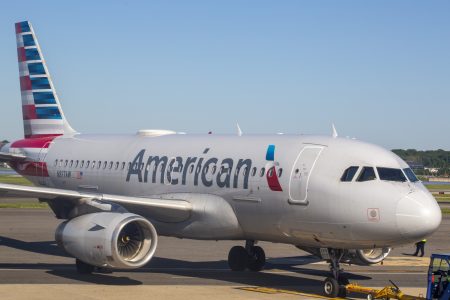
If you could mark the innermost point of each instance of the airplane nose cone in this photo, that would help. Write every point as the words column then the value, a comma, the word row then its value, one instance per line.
column 418, row 215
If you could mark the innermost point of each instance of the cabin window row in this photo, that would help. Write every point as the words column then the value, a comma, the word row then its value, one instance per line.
column 86, row 164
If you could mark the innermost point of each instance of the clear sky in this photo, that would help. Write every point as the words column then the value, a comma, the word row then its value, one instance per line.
column 379, row 70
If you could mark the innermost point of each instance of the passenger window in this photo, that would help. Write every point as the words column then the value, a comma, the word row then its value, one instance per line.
column 280, row 172
column 110, row 165
column 262, row 172
column 87, row 164
column 71, row 164
column 105, row 163
column 349, row 173
column 82, row 164
column 213, row 170
column 117, row 165
column 99, row 164
column 123, row 165
column 253, row 171
column 60, row 162
column 65, row 163
column 270, row 173
column 76, row 163
column 205, row 169
column 391, row 174
column 410, row 174
column 56, row 163
column 367, row 173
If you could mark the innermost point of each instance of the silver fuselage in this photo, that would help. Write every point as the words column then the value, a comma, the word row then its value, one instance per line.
column 313, row 207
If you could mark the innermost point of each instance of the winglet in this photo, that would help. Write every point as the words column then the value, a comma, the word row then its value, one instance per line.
column 335, row 134
column 239, row 131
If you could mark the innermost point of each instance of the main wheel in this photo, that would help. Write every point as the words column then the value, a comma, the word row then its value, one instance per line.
column 84, row 268
column 238, row 258
column 257, row 260
column 331, row 287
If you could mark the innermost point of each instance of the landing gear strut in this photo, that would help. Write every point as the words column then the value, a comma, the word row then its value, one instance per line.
column 249, row 257
column 335, row 286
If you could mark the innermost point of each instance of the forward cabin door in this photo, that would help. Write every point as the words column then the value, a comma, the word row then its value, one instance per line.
column 301, row 172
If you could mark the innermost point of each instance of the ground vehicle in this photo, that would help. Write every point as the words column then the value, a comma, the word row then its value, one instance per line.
column 439, row 277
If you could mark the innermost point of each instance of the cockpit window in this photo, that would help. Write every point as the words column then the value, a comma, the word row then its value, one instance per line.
column 349, row 173
column 391, row 174
column 367, row 173
column 410, row 174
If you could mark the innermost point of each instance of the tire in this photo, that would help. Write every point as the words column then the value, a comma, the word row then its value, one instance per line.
column 331, row 287
column 258, row 260
column 84, row 268
column 238, row 258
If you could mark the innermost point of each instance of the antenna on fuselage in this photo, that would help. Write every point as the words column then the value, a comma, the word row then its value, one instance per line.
column 335, row 134
column 239, row 131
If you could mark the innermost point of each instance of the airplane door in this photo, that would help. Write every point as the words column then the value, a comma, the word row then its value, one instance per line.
column 301, row 172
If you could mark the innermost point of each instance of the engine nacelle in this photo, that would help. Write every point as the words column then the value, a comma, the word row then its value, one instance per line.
column 362, row 257
column 366, row 256
column 109, row 239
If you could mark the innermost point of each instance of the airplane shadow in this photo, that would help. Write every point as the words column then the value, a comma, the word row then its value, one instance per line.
column 42, row 247
column 277, row 277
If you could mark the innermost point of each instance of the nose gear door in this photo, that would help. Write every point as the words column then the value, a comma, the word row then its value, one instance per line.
column 301, row 172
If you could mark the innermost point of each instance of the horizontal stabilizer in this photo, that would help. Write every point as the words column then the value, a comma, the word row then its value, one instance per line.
column 7, row 157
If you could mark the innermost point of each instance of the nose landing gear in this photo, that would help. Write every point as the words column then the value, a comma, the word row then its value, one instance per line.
column 335, row 286
column 249, row 257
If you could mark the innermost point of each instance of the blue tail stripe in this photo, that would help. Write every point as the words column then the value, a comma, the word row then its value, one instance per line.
column 44, row 98
column 40, row 83
column 28, row 40
column 36, row 69
column 32, row 54
column 51, row 112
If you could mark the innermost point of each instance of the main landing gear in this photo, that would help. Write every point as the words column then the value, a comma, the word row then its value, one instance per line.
column 335, row 286
column 249, row 257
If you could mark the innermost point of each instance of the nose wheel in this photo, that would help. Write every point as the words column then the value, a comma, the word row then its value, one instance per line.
column 335, row 286
column 249, row 257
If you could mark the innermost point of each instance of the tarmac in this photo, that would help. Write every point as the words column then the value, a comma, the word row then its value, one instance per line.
column 33, row 267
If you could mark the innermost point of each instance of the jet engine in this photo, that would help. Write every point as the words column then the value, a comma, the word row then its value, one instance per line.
column 366, row 256
column 362, row 257
column 109, row 239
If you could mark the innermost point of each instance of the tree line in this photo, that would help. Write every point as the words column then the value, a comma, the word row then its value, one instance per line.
column 420, row 159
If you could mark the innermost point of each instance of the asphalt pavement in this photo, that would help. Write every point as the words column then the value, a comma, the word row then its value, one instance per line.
column 31, row 264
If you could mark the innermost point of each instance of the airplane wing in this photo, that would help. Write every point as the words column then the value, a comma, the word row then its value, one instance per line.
column 63, row 201
column 6, row 157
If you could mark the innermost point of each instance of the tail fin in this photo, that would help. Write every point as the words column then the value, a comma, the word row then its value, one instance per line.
column 42, row 113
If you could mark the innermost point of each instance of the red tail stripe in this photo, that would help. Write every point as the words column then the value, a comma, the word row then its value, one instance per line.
column 25, row 83
column 29, row 112
column 18, row 28
column 21, row 54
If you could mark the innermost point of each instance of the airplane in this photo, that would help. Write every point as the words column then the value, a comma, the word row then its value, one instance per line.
column 341, row 199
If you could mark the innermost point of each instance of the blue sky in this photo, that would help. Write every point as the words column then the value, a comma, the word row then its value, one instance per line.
column 379, row 70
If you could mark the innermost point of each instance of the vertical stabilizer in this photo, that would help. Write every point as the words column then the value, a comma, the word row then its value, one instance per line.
column 42, row 113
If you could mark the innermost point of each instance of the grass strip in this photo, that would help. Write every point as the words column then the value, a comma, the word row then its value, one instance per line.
column 14, row 179
column 37, row 205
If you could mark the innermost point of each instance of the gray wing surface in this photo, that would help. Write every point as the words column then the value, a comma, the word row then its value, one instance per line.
column 62, row 201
